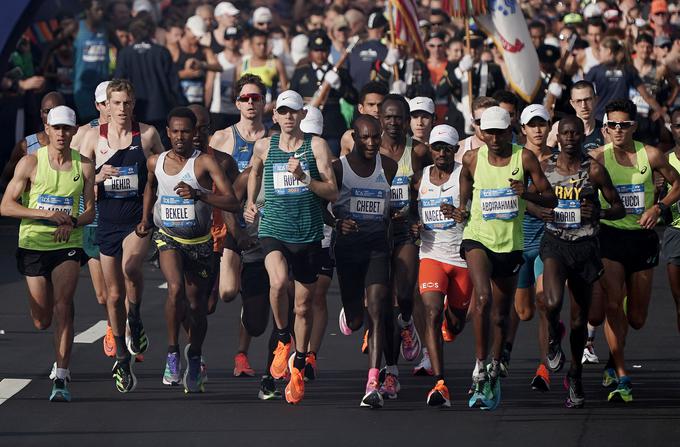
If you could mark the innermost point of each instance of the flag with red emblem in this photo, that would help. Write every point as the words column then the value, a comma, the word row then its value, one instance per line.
column 404, row 16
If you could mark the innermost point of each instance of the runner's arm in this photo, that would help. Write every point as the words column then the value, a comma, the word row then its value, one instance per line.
column 327, row 187
column 18, row 152
column 659, row 163
column 601, row 178
column 544, row 195
column 88, row 215
column 149, row 192
column 346, row 142
column 224, row 197
column 257, row 166
column 466, row 182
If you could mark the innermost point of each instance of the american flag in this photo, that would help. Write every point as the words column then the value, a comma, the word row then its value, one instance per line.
column 406, row 30
column 464, row 8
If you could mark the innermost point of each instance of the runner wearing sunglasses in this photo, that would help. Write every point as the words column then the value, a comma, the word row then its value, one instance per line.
column 629, row 246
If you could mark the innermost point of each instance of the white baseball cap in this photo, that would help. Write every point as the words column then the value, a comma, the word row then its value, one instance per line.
column 591, row 11
column 421, row 103
column 299, row 47
column 534, row 111
column 197, row 26
column 226, row 8
column 63, row 115
column 444, row 133
column 495, row 118
column 262, row 15
column 290, row 99
column 313, row 122
column 100, row 91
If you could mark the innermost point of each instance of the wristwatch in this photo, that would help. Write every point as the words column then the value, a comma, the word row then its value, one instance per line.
column 307, row 179
column 662, row 206
column 74, row 222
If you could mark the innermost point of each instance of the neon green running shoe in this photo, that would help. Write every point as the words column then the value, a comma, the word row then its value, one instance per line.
column 623, row 392
column 609, row 377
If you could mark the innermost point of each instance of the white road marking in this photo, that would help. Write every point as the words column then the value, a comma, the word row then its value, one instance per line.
column 163, row 286
column 97, row 331
column 9, row 387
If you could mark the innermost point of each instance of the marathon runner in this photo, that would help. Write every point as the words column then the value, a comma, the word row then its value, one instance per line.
column 370, row 99
column 671, row 236
column 361, row 247
column 630, row 246
column 120, row 149
column 181, row 181
column 443, row 279
column 51, row 182
column 492, row 181
column 297, row 176
column 569, row 247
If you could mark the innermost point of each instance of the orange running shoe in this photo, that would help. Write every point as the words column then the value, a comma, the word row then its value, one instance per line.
column 109, row 343
column 310, row 367
column 279, row 367
column 242, row 366
column 541, row 381
column 439, row 395
column 295, row 390
column 364, row 345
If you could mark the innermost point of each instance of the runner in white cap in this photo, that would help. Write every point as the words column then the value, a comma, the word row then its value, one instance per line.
column 52, row 182
column 297, row 176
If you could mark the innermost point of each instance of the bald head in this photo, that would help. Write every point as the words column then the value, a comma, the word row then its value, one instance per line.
column 365, row 120
column 571, row 120
column 366, row 135
column 50, row 101
column 202, row 126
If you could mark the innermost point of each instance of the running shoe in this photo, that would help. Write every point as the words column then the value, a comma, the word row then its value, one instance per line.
column 139, row 358
column 505, row 363
column 410, row 342
column 589, row 356
column 173, row 367
column 439, row 396
column 135, row 338
column 53, row 373
column 60, row 392
column 204, row 370
column 541, row 381
column 576, row 398
column 609, row 377
column 295, row 390
column 342, row 322
column 623, row 391
column 310, row 367
column 364, row 343
column 123, row 375
column 555, row 357
column 279, row 367
column 109, row 343
column 424, row 368
column 475, row 374
column 390, row 386
column 481, row 391
column 372, row 398
column 268, row 389
column 447, row 335
column 192, row 380
column 242, row 366
column 494, row 387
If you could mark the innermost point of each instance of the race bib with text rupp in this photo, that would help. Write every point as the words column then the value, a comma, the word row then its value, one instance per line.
column 55, row 203
column 125, row 185
column 285, row 183
column 367, row 204
column 633, row 198
column 567, row 214
column 177, row 212
column 499, row 204
column 399, row 196
column 431, row 215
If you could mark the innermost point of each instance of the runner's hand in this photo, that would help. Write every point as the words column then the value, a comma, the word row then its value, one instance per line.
column 143, row 229
column 105, row 173
column 63, row 232
column 250, row 212
column 548, row 214
column 517, row 186
column 460, row 215
column 346, row 226
column 447, row 210
column 415, row 229
column 185, row 191
column 60, row 218
column 588, row 211
column 649, row 218
column 295, row 168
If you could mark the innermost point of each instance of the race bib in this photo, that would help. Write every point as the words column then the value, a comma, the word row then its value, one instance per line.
column 125, row 185
column 94, row 51
column 641, row 105
column 177, row 212
column 431, row 215
column 55, row 203
column 367, row 204
column 568, row 214
column 193, row 90
column 399, row 196
column 242, row 165
column 499, row 204
column 633, row 198
column 285, row 183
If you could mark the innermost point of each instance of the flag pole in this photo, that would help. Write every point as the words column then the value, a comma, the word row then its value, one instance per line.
column 469, row 50
column 393, row 37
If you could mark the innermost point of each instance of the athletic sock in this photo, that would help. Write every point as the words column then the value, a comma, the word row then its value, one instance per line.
column 283, row 335
column 173, row 349
column 392, row 369
column 610, row 362
column 121, row 348
column 299, row 360
column 61, row 373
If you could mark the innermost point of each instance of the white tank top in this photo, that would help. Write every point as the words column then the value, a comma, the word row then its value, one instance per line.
column 185, row 218
column 440, row 237
column 590, row 61
column 223, row 88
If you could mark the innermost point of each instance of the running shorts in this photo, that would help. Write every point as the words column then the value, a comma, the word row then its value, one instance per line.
column 110, row 237
column 197, row 258
column 579, row 258
column 636, row 250
column 401, row 234
column 502, row 264
column 90, row 242
column 303, row 259
column 450, row 280
column 531, row 269
column 326, row 263
column 254, row 298
column 42, row 262
column 671, row 246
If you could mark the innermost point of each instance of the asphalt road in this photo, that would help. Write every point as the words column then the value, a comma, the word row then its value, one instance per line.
column 229, row 413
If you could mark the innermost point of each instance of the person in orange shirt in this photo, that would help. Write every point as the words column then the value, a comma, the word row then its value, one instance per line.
column 436, row 64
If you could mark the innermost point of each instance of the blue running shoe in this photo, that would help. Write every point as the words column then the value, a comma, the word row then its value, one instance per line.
column 60, row 392
column 193, row 380
column 173, row 366
column 482, row 395
column 493, row 395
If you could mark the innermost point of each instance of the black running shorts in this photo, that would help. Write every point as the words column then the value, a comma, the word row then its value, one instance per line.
column 503, row 265
column 636, row 250
column 42, row 262
column 303, row 259
column 580, row 258
column 326, row 263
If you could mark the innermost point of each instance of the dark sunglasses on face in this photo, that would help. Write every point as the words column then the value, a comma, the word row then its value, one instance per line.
column 675, row 126
column 623, row 125
column 441, row 147
column 256, row 97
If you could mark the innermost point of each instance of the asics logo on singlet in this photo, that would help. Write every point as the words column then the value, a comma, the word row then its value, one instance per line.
column 429, row 285
column 71, row 253
column 243, row 149
column 76, row 178
column 515, row 171
column 643, row 170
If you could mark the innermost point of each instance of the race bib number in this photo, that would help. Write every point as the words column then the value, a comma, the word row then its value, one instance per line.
column 641, row 105
column 55, row 203
column 431, row 215
column 177, row 212
column 285, row 183
column 125, row 185
column 193, row 90
column 399, row 196
column 367, row 204
column 499, row 204
column 633, row 198
column 568, row 214
column 94, row 51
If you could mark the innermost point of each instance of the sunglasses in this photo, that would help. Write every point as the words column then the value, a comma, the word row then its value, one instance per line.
column 675, row 126
column 256, row 97
column 477, row 121
column 622, row 125
column 444, row 148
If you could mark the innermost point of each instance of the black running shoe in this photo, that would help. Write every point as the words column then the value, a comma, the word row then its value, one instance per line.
column 136, row 339
column 268, row 389
column 123, row 376
column 576, row 398
column 555, row 355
